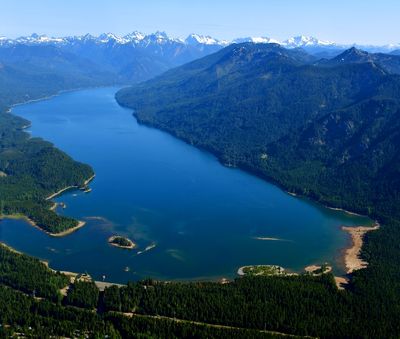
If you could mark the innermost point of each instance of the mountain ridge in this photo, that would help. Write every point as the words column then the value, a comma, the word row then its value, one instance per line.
column 241, row 102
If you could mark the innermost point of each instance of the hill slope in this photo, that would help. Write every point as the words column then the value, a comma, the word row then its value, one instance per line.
column 258, row 107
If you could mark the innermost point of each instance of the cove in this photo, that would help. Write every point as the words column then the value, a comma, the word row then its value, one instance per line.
column 191, row 217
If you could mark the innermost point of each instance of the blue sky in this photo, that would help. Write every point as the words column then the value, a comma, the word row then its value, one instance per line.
column 368, row 21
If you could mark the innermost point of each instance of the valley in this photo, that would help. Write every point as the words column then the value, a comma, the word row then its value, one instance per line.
column 320, row 122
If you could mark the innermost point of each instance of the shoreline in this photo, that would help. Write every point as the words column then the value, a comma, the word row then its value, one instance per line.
column 85, row 183
column 241, row 167
column 345, row 211
column 51, row 196
column 352, row 258
column 68, row 231
column 273, row 270
column 312, row 268
column 32, row 223
column 9, row 110
column 80, row 224
column 73, row 276
column 59, row 92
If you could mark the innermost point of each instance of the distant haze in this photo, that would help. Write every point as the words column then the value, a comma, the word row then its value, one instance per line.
column 362, row 22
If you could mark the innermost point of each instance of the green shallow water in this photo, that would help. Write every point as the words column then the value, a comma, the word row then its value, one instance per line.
column 200, row 218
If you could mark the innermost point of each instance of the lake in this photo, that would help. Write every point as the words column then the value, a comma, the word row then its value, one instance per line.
column 191, row 217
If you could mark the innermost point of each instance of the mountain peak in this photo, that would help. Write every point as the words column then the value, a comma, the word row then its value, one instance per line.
column 353, row 55
column 196, row 39
column 355, row 51
column 110, row 37
column 135, row 36
column 305, row 41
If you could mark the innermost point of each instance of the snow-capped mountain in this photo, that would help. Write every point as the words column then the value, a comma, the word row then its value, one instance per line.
column 138, row 39
column 133, row 57
column 305, row 41
column 137, row 56
column 256, row 40
column 134, row 38
column 196, row 39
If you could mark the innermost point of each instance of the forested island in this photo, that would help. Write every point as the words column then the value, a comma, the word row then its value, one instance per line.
column 121, row 242
column 261, row 270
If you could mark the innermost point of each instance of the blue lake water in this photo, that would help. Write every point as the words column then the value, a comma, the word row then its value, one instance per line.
column 197, row 218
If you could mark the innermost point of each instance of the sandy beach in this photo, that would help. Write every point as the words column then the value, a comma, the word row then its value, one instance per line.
column 68, row 231
column 59, row 192
column 313, row 268
column 352, row 255
column 89, row 180
column 341, row 282
column 85, row 183
column 10, row 248
column 343, row 210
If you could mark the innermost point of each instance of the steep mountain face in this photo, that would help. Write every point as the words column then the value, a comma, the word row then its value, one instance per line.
column 328, row 131
column 246, row 86
column 350, row 155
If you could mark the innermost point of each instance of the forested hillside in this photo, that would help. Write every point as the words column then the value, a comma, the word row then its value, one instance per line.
column 33, row 303
column 327, row 130
column 389, row 62
column 31, row 169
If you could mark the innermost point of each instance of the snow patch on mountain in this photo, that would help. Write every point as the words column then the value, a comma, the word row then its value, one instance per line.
column 196, row 39
column 305, row 41
column 257, row 40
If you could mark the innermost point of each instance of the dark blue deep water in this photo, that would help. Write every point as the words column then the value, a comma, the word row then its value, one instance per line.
column 203, row 218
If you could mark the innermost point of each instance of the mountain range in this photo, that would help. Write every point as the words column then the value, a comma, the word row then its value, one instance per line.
column 139, row 39
column 108, row 59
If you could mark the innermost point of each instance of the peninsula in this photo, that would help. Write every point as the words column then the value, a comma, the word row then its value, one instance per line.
column 352, row 258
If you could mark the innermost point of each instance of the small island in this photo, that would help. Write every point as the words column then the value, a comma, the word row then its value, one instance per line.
column 261, row 270
column 121, row 242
